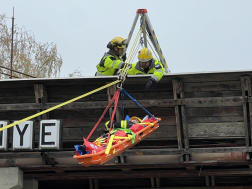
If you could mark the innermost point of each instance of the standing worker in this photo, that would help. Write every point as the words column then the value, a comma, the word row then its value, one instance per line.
column 147, row 65
column 111, row 61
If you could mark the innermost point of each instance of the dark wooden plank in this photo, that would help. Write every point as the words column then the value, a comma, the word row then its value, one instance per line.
column 16, row 115
column 176, row 92
column 212, row 86
column 247, row 85
column 246, row 124
column 157, row 111
column 17, row 99
column 184, row 120
column 214, row 111
column 213, row 77
column 26, row 106
column 136, row 152
column 62, row 98
column 16, row 91
column 138, row 174
column 133, row 88
column 178, row 126
column 66, row 114
column 73, row 90
column 214, row 101
column 176, row 88
column 164, row 132
column 219, row 150
column 243, row 86
column 185, row 128
column 250, row 117
column 127, row 104
column 41, row 98
column 196, row 102
column 81, row 122
column 216, row 129
column 215, row 119
column 141, row 95
column 244, row 89
column 212, row 94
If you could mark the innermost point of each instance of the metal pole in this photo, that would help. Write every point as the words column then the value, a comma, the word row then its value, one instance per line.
column 131, row 31
column 155, row 43
column 12, row 30
column 144, row 30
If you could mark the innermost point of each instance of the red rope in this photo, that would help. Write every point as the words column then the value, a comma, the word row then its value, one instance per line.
column 115, row 97
column 111, row 122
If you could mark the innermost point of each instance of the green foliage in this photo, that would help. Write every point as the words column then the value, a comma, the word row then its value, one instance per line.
column 29, row 57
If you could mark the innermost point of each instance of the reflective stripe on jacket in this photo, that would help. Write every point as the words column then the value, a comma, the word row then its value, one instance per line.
column 156, row 68
column 109, row 64
column 119, row 124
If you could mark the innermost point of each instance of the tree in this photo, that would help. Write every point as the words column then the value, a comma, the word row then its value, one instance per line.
column 29, row 57
column 76, row 73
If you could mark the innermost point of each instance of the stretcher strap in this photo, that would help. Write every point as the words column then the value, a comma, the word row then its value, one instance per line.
column 134, row 100
column 116, row 95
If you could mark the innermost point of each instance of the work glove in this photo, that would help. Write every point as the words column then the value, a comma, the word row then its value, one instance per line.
column 129, row 65
column 124, row 57
column 150, row 82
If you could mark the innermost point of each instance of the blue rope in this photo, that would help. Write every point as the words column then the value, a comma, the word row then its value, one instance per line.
column 122, row 95
column 134, row 100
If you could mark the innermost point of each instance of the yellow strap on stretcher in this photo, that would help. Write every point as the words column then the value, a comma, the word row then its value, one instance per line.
column 109, row 144
column 128, row 137
column 145, row 123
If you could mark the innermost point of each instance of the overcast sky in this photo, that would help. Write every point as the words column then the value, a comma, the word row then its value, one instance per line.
column 195, row 35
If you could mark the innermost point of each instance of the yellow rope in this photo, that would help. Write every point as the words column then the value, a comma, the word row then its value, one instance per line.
column 131, row 53
column 59, row 105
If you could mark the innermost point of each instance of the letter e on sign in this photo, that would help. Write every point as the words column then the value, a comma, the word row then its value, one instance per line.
column 49, row 134
column 3, row 136
column 23, row 136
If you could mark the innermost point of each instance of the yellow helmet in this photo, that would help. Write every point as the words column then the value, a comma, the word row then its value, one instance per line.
column 118, row 42
column 137, row 118
column 144, row 55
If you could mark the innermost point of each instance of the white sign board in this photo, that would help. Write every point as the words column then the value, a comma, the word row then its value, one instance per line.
column 23, row 136
column 49, row 134
column 3, row 136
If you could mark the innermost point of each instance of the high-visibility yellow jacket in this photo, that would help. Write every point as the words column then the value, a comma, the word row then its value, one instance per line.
column 156, row 68
column 109, row 64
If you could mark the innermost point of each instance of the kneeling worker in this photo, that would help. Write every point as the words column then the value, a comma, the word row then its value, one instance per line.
column 147, row 65
column 111, row 61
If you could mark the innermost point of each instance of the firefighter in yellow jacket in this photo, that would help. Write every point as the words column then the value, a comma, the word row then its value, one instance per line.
column 113, row 60
column 147, row 65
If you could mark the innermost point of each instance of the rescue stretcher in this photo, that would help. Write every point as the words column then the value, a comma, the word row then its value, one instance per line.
column 101, row 157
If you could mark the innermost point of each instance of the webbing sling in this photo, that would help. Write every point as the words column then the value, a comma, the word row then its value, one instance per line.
column 134, row 100
column 116, row 95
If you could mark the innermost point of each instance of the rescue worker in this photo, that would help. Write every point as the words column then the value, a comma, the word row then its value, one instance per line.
column 112, row 61
column 147, row 65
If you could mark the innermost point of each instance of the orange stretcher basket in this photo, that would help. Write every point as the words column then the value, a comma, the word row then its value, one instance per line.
column 100, row 157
